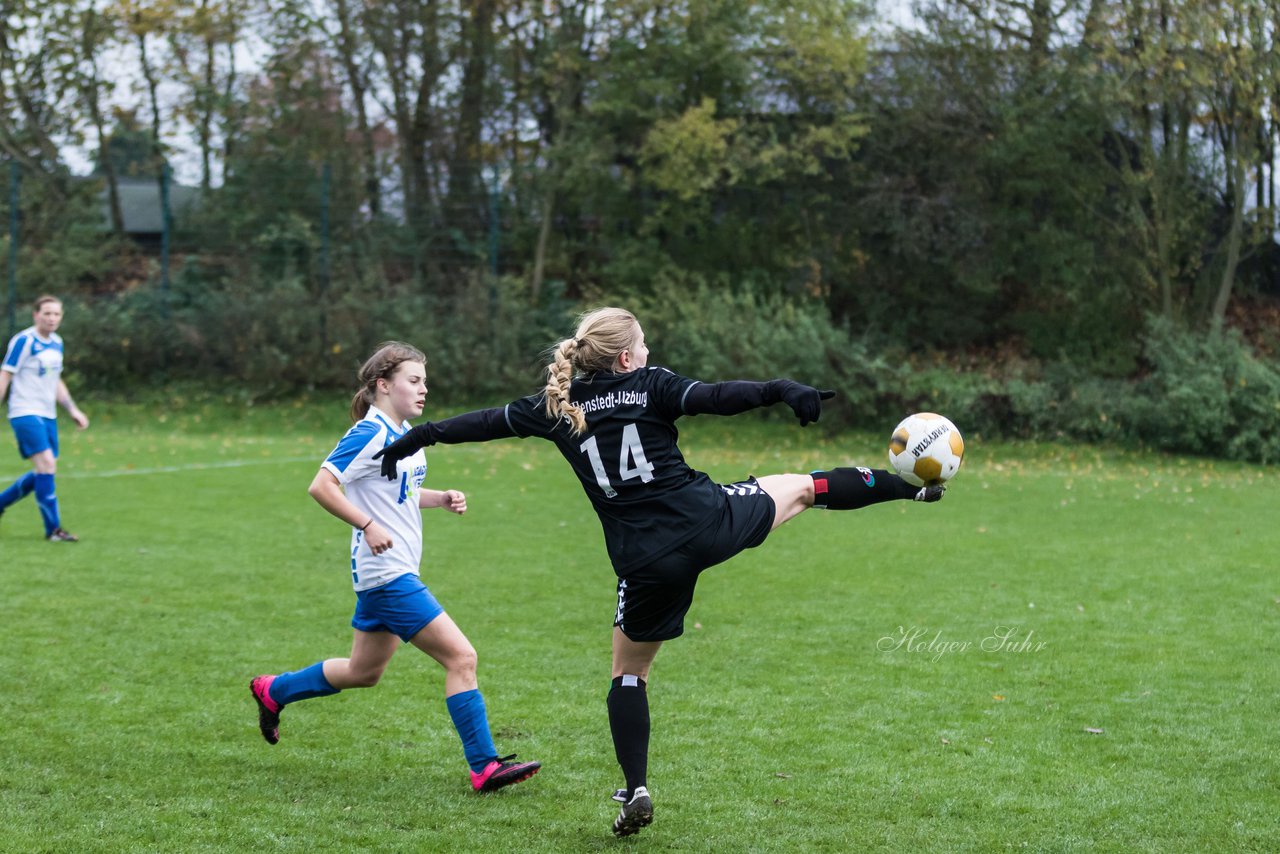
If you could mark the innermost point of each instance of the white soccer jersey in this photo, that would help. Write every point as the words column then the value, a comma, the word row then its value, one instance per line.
column 36, row 365
column 394, row 504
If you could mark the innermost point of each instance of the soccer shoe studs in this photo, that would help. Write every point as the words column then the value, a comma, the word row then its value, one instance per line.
column 636, row 813
column 502, row 772
column 268, row 709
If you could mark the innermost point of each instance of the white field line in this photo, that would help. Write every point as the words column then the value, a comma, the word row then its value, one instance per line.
column 227, row 464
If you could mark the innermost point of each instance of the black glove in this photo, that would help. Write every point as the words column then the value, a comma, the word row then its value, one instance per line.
column 805, row 401
column 930, row 494
column 410, row 443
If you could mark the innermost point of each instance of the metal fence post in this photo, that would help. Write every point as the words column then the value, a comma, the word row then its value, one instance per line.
column 15, row 181
column 326, row 185
column 166, row 226
column 494, row 200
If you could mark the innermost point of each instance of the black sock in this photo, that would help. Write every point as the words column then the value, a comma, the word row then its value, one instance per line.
column 629, row 723
column 850, row 489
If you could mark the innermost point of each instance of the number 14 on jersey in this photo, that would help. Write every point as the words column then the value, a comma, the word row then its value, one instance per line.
column 631, row 461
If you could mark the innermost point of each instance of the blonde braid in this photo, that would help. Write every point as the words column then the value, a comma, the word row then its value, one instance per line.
column 559, row 379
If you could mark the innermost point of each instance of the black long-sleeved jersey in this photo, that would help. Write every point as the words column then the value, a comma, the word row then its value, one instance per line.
column 647, row 497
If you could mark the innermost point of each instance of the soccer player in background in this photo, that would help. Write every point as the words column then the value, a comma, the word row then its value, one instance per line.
column 392, row 603
column 613, row 419
column 32, row 377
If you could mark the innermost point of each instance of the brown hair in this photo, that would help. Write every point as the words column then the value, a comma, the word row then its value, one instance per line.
column 601, row 337
column 46, row 298
column 380, row 366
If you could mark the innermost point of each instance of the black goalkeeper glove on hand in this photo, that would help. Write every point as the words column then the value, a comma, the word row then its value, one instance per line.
column 932, row 493
column 805, row 401
column 410, row 443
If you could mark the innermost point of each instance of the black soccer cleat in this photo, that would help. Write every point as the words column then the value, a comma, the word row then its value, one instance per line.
column 637, row 812
column 930, row 494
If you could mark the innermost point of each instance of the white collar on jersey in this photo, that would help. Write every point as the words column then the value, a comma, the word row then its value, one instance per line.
column 388, row 422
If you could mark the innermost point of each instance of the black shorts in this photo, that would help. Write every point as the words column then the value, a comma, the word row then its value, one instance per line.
column 653, row 599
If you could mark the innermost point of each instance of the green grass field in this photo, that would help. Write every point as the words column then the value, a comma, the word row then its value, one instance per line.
column 841, row 688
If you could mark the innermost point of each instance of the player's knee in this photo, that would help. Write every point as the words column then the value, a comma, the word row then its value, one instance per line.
column 804, row 489
column 464, row 660
column 366, row 678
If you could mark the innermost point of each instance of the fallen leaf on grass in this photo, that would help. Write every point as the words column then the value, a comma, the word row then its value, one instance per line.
column 999, row 698
column 946, row 741
column 1094, row 730
column 782, row 776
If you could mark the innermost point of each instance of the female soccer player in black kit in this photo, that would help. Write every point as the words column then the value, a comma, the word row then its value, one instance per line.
column 613, row 418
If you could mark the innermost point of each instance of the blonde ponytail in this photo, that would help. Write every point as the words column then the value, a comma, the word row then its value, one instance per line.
column 601, row 338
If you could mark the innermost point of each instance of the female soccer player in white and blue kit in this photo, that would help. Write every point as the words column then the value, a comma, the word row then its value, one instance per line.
column 32, row 376
column 392, row 603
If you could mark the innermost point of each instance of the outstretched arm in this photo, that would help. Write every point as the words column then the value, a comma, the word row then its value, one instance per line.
column 482, row 425
column 735, row 396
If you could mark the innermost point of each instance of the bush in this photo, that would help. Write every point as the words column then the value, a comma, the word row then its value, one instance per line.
column 1209, row 395
column 716, row 331
column 487, row 344
column 218, row 328
column 1201, row 395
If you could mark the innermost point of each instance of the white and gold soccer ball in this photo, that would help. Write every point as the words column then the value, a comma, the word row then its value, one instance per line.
column 925, row 449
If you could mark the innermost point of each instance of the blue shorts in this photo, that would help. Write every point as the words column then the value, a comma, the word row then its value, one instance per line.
column 403, row 605
column 35, row 434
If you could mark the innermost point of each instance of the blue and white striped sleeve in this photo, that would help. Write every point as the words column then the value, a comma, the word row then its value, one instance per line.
column 348, row 449
column 13, row 356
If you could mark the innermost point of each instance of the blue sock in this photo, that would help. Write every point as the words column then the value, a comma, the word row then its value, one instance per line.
column 47, row 501
column 472, row 724
column 301, row 685
column 19, row 489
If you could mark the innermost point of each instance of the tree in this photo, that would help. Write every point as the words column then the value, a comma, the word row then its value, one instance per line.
column 1244, row 73
column 142, row 21
column 37, row 87
column 352, row 44
column 415, row 43
column 1192, row 83
column 195, row 34
column 96, row 34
